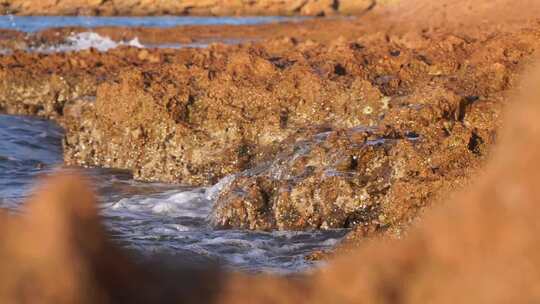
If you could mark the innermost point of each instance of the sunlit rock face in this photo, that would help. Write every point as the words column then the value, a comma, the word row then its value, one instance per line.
column 187, row 7
column 440, row 95
column 332, row 179
column 198, row 116
column 60, row 247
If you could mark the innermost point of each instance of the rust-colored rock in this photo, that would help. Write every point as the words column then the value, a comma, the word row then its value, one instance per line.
column 482, row 242
column 195, row 116
column 193, row 124
column 327, row 179
column 434, row 95
column 186, row 7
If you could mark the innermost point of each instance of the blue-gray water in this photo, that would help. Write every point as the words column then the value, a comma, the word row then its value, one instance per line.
column 37, row 23
column 152, row 219
column 89, row 39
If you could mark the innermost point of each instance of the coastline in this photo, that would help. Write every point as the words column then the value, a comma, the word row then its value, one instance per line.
column 394, row 125
column 188, row 7
column 195, row 116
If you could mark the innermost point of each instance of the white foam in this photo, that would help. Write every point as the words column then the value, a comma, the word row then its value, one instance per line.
column 157, row 220
column 86, row 40
column 170, row 229
column 213, row 192
column 195, row 203
column 170, row 220
column 172, row 204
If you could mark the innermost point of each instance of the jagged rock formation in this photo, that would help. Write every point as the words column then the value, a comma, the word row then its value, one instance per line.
column 196, row 116
column 446, row 92
column 432, row 96
column 482, row 243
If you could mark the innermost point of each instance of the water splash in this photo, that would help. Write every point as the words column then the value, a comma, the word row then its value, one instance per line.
column 153, row 219
column 86, row 40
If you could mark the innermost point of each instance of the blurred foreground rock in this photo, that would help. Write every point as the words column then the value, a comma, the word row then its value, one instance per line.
column 59, row 252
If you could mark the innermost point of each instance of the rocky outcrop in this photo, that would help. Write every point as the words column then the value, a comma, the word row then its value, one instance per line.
column 445, row 95
column 327, row 179
column 481, row 240
column 195, row 126
column 470, row 244
column 189, row 124
column 196, row 116
column 41, row 96
column 42, row 85
column 185, row 7
column 432, row 97
column 364, row 177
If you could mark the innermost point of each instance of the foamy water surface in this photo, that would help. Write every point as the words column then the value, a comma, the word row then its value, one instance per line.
column 150, row 218
column 84, row 40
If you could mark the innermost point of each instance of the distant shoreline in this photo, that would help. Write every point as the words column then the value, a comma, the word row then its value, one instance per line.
column 186, row 8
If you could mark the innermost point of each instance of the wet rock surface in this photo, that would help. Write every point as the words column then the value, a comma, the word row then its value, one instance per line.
column 332, row 179
column 442, row 94
column 408, row 116
column 481, row 240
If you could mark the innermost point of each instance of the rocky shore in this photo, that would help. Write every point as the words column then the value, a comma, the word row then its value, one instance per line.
column 186, row 7
column 482, row 243
column 398, row 120
column 363, row 130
